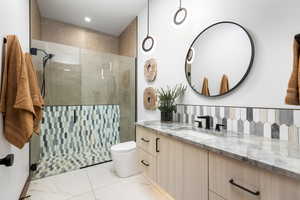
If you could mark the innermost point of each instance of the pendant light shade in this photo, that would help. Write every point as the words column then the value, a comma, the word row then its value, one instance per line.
column 148, row 39
column 180, row 14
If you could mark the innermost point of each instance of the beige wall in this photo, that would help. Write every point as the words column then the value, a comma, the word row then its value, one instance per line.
column 128, row 40
column 35, row 21
column 58, row 32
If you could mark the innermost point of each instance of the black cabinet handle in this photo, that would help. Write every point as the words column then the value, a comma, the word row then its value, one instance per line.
column 75, row 116
column 156, row 144
column 143, row 139
column 218, row 127
column 8, row 161
column 145, row 163
column 199, row 124
column 256, row 193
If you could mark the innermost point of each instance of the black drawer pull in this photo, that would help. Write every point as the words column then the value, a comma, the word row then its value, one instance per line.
column 157, row 150
column 143, row 139
column 256, row 193
column 145, row 163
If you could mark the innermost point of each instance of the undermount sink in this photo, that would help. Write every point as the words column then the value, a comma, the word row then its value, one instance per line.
column 193, row 132
column 203, row 133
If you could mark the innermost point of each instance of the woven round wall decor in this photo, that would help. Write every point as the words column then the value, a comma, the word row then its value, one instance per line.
column 150, row 69
column 150, row 98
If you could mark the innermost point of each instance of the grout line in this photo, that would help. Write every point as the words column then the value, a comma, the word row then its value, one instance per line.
column 91, row 185
column 229, row 106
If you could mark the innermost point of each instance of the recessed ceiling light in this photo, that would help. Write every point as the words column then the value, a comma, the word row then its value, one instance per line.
column 87, row 19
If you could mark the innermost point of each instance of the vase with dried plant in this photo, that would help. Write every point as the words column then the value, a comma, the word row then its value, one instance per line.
column 167, row 100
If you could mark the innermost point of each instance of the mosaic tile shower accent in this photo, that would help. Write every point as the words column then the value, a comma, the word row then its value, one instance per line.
column 73, row 137
column 283, row 124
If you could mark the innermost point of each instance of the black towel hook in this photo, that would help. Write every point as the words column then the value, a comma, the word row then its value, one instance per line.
column 8, row 161
column 297, row 37
column 4, row 40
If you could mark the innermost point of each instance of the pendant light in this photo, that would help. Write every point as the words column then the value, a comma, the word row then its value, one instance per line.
column 182, row 10
column 148, row 37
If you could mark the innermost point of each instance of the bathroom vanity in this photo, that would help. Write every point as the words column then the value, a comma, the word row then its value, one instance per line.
column 196, row 164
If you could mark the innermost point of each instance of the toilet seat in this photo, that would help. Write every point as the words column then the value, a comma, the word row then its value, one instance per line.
column 124, row 147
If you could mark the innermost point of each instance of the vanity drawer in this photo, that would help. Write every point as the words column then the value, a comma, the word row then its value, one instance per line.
column 146, row 140
column 234, row 180
column 147, row 163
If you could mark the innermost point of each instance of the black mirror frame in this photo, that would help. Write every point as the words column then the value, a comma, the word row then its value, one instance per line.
column 249, row 66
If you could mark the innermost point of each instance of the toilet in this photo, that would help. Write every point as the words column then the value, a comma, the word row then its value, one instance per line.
column 125, row 159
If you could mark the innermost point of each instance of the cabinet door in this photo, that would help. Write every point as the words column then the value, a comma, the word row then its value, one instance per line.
column 195, row 173
column 213, row 196
column 163, row 164
column 170, row 166
column 175, row 179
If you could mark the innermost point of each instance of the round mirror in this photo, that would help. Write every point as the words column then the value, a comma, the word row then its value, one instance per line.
column 219, row 59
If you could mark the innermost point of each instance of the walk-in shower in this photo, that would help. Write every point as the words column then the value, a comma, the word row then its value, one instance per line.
column 90, row 106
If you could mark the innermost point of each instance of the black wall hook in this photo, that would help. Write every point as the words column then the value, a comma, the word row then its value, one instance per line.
column 297, row 37
column 4, row 40
column 8, row 161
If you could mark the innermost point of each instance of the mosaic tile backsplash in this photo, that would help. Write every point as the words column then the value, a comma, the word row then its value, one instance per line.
column 76, row 136
column 283, row 124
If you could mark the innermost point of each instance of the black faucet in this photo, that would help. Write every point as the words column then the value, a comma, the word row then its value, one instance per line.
column 207, row 121
column 218, row 127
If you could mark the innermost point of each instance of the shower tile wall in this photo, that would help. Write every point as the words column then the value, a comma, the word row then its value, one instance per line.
column 283, row 124
column 77, row 136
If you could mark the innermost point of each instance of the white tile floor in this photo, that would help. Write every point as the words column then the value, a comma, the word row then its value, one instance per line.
column 94, row 183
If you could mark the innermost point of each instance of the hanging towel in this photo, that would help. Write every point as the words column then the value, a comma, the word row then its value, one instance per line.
column 205, row 88
column 35, row 92
column 292, row 96
column 16, row 102
column 224, row 85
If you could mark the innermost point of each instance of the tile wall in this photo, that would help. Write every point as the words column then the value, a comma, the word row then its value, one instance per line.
column 283, row 124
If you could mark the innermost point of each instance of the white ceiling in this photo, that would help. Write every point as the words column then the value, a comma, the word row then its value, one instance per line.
column 108, row 16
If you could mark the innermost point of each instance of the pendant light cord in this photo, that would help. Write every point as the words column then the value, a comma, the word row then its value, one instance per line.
column 180, row 4
column 148, row 20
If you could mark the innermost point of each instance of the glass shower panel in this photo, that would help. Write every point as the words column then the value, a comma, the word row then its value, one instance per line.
column 127, row 98
column 63, row 76
column 99, row 78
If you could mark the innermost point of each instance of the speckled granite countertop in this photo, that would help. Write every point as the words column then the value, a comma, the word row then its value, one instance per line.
column 274, row 155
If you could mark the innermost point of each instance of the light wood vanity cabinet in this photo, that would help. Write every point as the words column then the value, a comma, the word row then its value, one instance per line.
column 248, row 182
column 187, row 172
column 181, row 169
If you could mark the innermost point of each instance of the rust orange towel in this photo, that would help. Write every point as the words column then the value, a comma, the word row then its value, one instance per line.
column 292, row 96
column 224, row 85
column 16, row 102
column 35, row 93
column 205, row 88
